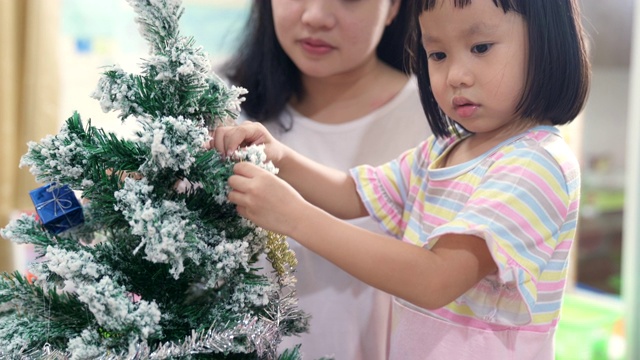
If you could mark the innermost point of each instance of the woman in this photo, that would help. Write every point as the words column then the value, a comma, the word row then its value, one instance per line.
column 327, row 78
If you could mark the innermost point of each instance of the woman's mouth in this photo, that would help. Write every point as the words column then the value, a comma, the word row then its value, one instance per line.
column 315, row 46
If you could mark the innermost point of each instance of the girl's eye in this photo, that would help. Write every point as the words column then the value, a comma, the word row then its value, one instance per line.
column 437, row 56
column 481, row 48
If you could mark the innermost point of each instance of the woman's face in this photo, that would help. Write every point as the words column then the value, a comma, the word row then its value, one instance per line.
column 331, row 37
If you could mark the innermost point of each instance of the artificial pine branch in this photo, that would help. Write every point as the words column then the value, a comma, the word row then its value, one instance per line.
column 163, row 266
column 62, row 313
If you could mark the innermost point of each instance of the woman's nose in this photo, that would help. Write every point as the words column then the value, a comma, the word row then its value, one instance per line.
column 319, row 14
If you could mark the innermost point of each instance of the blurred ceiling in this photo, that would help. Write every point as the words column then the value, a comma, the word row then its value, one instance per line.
column 609, row 25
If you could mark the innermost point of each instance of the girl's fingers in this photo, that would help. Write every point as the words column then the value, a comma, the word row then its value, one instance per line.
column 242, row 211
column 245, row 169
column 237, row 183
column 219, row 135
column 243, row 175
column 227, row 139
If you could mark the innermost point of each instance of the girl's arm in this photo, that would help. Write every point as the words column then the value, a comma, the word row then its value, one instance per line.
column 427, row 278
column 430, row 279
column 330, row 189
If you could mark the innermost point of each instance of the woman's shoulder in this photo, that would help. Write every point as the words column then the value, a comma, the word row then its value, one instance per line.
column 406, row 100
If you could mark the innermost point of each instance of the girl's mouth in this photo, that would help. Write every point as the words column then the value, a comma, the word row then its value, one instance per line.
column 464, row 107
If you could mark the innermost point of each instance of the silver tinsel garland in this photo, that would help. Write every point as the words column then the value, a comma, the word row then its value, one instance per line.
column 261, row 336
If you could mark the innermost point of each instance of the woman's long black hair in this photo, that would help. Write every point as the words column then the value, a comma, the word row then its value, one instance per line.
column 261, row 66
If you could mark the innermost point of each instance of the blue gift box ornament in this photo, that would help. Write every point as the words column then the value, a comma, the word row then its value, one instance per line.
column 57, row 207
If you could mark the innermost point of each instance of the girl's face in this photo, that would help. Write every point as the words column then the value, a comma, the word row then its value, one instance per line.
column 477, row 58
column 330, row 37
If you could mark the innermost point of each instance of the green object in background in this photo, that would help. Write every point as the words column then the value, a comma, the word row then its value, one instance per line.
column 603, row 200
column 590, row 328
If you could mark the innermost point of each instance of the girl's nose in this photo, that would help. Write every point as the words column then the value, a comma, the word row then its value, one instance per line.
column 319, row 14
column 459, row 75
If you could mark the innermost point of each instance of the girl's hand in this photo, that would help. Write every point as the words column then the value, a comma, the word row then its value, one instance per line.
column 265, row 199
column 227, row 139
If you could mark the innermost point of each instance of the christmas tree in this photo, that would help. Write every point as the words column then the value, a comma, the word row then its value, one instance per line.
column 152, row 262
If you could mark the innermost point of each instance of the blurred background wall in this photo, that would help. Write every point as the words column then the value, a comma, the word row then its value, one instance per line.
column 29, row 97
column 52, row 52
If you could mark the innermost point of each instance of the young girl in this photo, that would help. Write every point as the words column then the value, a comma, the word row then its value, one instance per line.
column 328, row 79
column 486, row 210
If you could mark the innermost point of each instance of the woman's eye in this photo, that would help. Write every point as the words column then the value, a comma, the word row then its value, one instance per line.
column 437, row 56
column 481, row 48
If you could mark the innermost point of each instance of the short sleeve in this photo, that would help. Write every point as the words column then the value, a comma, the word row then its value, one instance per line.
column 521, row 209
column 384, row 190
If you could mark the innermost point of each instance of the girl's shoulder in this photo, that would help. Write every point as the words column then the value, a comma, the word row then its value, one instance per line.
column 546, row 140
column 542, row 145
column 545, row 149
column 434, row 146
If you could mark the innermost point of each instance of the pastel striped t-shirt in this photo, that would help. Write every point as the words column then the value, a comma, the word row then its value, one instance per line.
column 521, row 197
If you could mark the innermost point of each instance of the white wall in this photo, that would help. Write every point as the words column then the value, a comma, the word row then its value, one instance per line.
column 605, row 123
column 96, row 33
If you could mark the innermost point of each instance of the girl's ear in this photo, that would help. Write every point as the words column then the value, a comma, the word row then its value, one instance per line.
column 393, row 11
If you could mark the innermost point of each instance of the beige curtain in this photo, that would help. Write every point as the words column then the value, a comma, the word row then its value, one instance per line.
column 29, row 92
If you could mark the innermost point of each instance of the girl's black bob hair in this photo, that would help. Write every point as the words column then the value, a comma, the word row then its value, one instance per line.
column 558, row 75
column 261, row 66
